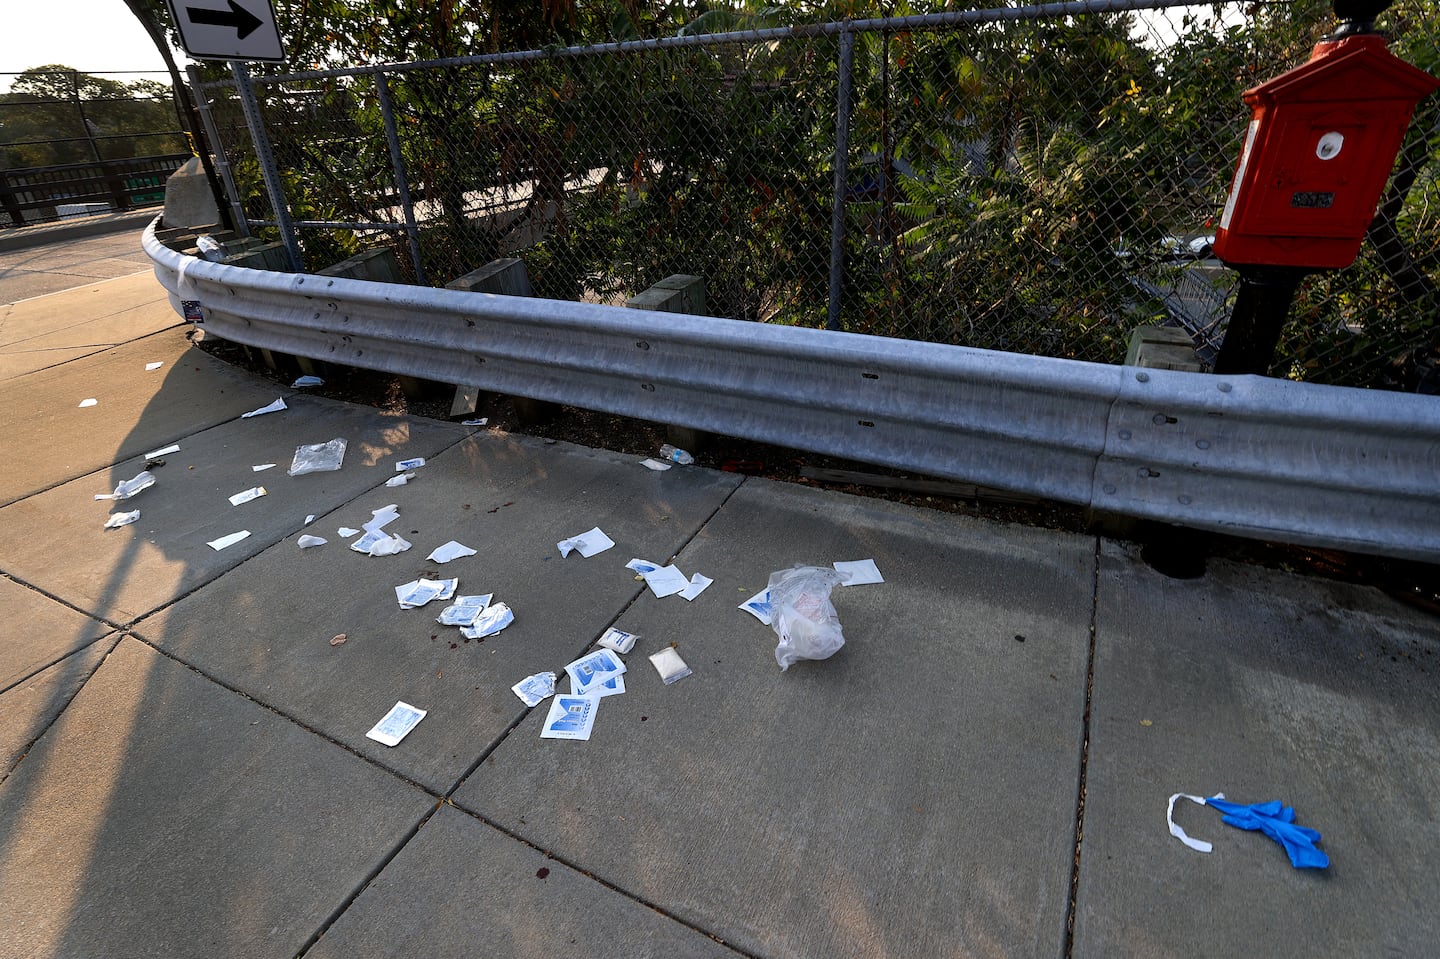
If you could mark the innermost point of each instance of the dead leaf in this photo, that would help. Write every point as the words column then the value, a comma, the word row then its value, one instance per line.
column 1146, row 722
column 338, row 639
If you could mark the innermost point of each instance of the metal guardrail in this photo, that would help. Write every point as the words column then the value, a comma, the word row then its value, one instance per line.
column 1244, row 455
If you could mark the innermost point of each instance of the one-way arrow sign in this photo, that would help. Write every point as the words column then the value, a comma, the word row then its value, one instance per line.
column 239, row 30
column 237, row 16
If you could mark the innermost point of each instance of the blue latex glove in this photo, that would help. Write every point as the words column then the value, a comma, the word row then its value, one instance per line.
column 1278, row 822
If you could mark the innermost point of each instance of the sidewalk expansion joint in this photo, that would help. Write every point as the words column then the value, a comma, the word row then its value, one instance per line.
column 1074, row 898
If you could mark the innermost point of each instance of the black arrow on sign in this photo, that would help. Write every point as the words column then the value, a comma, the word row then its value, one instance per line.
column 244, row 22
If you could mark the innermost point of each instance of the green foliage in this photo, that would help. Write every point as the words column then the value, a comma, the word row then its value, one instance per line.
column 43, row 119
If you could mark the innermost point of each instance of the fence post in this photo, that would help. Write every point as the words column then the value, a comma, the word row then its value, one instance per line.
column 844, row 69
column 266, row 157
column 402, row 179
column 222, row 158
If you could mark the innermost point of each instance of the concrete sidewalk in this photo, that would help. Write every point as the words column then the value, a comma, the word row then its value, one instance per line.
column 982, row 770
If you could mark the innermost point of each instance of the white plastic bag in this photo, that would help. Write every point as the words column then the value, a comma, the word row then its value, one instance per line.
column 802, row 614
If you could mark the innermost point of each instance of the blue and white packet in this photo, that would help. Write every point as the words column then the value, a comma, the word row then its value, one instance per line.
column 570, row 717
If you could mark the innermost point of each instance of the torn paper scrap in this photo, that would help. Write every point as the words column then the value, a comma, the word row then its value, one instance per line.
column 533, row 690
column 618, row 640
column 382, row 517
column 410, row 464
column 592, row 669
column 400, row 480
column 262, row 467
column 759, row 606
column 345, row 532
column 307, row 541
column 389, row 546
column 253, row 493
column 696, row 587
column 451, row 550
column 118, row 520
column 493, row 619
column 274, row 407
column 669, row 665
column 166, row 451
column 318, row 457
column 479, row 422
column 309, row 518
column 587, row 543
column 655, row 465
column 665, row 581
column 152, row 367
column 307, row 381
column 418, row 592
column 397, row 724
column 92, row 401
column 570, row 717
column 142, row 480
column 464, row 611
column 218, row 544
column 858, row 572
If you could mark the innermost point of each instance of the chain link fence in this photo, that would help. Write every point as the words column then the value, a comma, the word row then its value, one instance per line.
column 1010, row 179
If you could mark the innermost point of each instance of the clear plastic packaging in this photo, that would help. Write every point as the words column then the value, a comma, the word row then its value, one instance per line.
column 803, row 616
column 319, row 458
column 672, row 454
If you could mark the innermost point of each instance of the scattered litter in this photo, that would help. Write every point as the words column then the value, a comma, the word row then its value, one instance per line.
column 802, row 614
column 464, row 611
column 410, row 464
column 451, row 550
column 346, row 532
column 338, row 639
column 418, row 592
column 397, row 724
column 532, row 690
column 218, row 544
column 1273, row 818
column 274, row 407
column 591, row 670
column 152, row 367
column 494, row 618
column 209, row 248
column 262, row 467
column 671, row 454
column 618, row 640
column 154, row 454
column 696, row 587
column 118, row 520
column 570, row 717
column 318, row 458
column 400, row 480
column 307, row 381
column 662, row 580
column 309, row 518
column 255, row 492
column 655, row 465
column 128, row 488
column 669, row 665
column 612, row 686
column 759, row 606
column 92, row 401
column 480, row 422
column 307, row 541
column 376, row 543
column 858, row 572
column 587, row 543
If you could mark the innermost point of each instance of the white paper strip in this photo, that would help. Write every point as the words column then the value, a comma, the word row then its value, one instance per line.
column 1199, row 845
column 172, row 448
column 274, row 407
column 224, row 541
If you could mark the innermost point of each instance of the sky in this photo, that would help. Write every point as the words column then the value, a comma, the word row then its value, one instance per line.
column 93, row 36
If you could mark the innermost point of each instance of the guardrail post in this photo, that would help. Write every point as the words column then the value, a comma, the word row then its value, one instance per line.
column 402, row 179
column 222, row 160
column 844, row 70
column 266, row 157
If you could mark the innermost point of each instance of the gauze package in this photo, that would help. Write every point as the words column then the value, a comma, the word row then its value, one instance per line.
column 802, row 615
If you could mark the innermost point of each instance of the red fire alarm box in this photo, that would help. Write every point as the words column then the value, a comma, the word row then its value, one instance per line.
column 1321, row 144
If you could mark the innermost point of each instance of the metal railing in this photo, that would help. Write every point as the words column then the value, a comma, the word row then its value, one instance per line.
column 1036, row 179
column 1245, row 455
